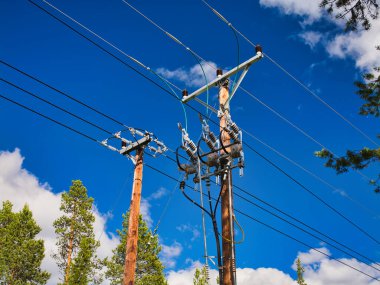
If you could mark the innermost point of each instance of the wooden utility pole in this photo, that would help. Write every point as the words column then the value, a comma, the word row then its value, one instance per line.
column 226, row 191
column 133, row 227
column 229, row 132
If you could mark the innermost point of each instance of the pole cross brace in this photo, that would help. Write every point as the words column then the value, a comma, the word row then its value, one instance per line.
column 245, row 65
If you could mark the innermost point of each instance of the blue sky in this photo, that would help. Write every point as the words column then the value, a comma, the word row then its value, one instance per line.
column 300, row 37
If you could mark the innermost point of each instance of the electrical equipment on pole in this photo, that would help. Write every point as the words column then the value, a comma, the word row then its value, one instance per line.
column 216, row 156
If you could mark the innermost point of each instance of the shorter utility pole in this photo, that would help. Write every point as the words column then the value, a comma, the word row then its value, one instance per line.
column 127, row 147
column 133, row 227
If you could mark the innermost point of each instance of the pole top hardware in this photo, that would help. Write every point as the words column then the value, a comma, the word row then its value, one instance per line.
column 221, row 77
column 138, row 139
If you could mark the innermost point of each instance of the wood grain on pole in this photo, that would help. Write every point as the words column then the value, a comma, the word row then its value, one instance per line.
column 134, row 213
column 225, row 190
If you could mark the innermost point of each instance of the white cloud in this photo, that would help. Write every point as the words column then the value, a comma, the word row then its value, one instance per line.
column 245, row 276
column 308, row 9
column 193, row 76
column 161, row 192
column 145, row 211
column 311, row 257
column 169, row 253
column 189, row 228
column 311, row 38
column 21, row 187
column 359, row 46
column 320, row 270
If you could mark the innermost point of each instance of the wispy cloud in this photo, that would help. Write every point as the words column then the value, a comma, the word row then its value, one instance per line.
column 193, row 76
column 310, row 10
column 161, row 192
column 189, row 228
column 357, row 45
column 311, row 38
column 170, row 253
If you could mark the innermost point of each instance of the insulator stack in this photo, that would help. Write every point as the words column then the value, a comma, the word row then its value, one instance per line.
column 192, row 145
column 190, row 153
column 234, row 127
column 212, row 137
column 233, row 135
column 210, row 144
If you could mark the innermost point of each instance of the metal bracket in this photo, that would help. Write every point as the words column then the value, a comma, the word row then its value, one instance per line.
column 245, row 65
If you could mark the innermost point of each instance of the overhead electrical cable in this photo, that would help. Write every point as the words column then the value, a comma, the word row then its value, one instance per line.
column 55, row 106
column 298, row 221
column 246, row 192
column 169, row 176
column 113, row 46
column 200, row 58
column 291, row 75
column 173, row 95
column 313, row 194
column 49, row 118
column 276, row 230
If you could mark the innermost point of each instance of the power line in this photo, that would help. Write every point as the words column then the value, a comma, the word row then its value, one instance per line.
column 313, row 194
column 169, row 85
column 273, row 228
column 62, row 93
column 106, row 51
column 121, row 124
column 72, row 114
column 49, row 118
column 171, row 177
column 302, row 223
column 173, row 95
column 291, row 75
column 314, row 175
column 55, row 106
column 305, row 244
column 303, row 132
column 297, row 220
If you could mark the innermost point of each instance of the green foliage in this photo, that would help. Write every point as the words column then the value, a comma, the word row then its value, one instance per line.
column 300, row 271
column 361, row 11
column 369, row 91
column 355, row 11
column 200, row 276
column 75, row 237
column 20, row 253
column 149, row 269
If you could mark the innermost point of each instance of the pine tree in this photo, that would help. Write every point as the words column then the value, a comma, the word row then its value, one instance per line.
column 21, row 253
column 76, row 256
column 149, row 269
column 358, row 11
column 200, row 276
column 300, row 271
column 355, row 11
